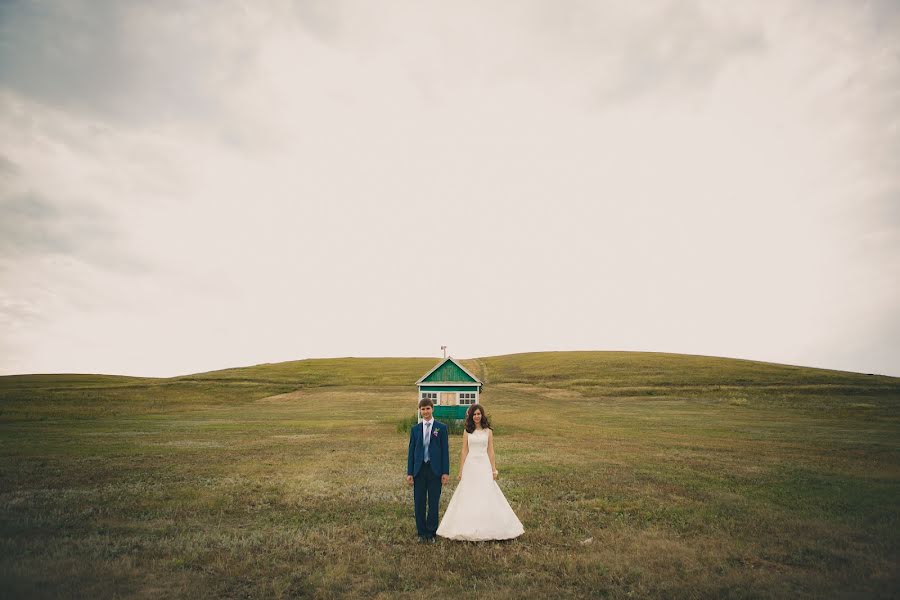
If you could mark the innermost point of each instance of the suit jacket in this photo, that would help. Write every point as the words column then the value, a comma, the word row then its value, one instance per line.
column 438, row 450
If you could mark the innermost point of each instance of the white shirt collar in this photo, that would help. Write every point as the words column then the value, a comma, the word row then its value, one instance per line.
column 428, row 422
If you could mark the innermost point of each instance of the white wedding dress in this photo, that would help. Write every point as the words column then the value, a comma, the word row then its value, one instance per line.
column 478, row 509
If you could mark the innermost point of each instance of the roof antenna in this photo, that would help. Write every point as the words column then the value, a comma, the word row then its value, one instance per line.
column 444, row 348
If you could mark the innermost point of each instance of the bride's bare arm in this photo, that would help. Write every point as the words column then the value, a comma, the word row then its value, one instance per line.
column 463, row 454
column 491, row 451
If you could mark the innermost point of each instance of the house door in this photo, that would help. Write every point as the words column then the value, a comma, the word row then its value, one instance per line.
column 448, row 399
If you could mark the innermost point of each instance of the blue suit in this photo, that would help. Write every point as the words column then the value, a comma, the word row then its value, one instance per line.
column 427, row 476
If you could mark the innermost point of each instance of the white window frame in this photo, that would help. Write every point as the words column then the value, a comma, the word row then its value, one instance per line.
column 470, row 399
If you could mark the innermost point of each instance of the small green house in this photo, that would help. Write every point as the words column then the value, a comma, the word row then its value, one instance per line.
column 451, row 388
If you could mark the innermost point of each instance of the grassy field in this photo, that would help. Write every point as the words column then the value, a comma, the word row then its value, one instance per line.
column 635, row 475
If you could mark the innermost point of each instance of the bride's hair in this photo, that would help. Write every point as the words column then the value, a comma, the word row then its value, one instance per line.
column 470, row 422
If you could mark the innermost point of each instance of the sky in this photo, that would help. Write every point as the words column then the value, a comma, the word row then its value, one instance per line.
column 188, row 186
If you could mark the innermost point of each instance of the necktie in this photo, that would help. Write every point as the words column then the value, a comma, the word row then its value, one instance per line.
column 427, row 440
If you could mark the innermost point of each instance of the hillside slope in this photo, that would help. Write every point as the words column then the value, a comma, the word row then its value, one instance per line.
column 582, row 370
column 635, row 475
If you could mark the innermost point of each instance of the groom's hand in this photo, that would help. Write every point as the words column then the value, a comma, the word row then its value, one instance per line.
column 445, row 479
column 409, row 479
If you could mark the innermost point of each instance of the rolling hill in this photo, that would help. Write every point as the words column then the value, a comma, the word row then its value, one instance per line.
column 635, row 475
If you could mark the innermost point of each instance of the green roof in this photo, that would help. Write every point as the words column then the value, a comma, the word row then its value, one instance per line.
column 448, row 371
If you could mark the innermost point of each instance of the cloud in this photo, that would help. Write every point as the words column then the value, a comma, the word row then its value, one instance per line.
column 630, row 51
column 321, row 18
column 199, row 185
column 30, row 225
column 123, row 62
column 39, row 219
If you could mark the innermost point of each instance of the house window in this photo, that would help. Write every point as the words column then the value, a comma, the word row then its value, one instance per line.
column 467, row 398
column 430, row 395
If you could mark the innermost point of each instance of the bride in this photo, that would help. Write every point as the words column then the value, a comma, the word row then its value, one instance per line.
column 478, row 510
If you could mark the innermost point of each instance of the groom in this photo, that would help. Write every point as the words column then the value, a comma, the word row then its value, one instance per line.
column 427, row 469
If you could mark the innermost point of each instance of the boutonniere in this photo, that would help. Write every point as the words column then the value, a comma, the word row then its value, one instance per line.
column 435, row 432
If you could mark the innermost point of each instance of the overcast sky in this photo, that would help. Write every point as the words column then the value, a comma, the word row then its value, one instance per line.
column 186, row 186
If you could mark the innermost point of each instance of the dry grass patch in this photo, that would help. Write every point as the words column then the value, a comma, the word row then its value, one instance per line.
column 221, row 487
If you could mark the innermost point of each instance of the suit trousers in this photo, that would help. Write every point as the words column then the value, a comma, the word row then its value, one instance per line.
column 427, row 494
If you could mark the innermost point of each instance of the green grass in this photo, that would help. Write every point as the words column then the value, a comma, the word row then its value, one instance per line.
column 635, row 475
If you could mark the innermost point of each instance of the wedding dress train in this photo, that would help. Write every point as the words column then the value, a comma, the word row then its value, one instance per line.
column 478, row 509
